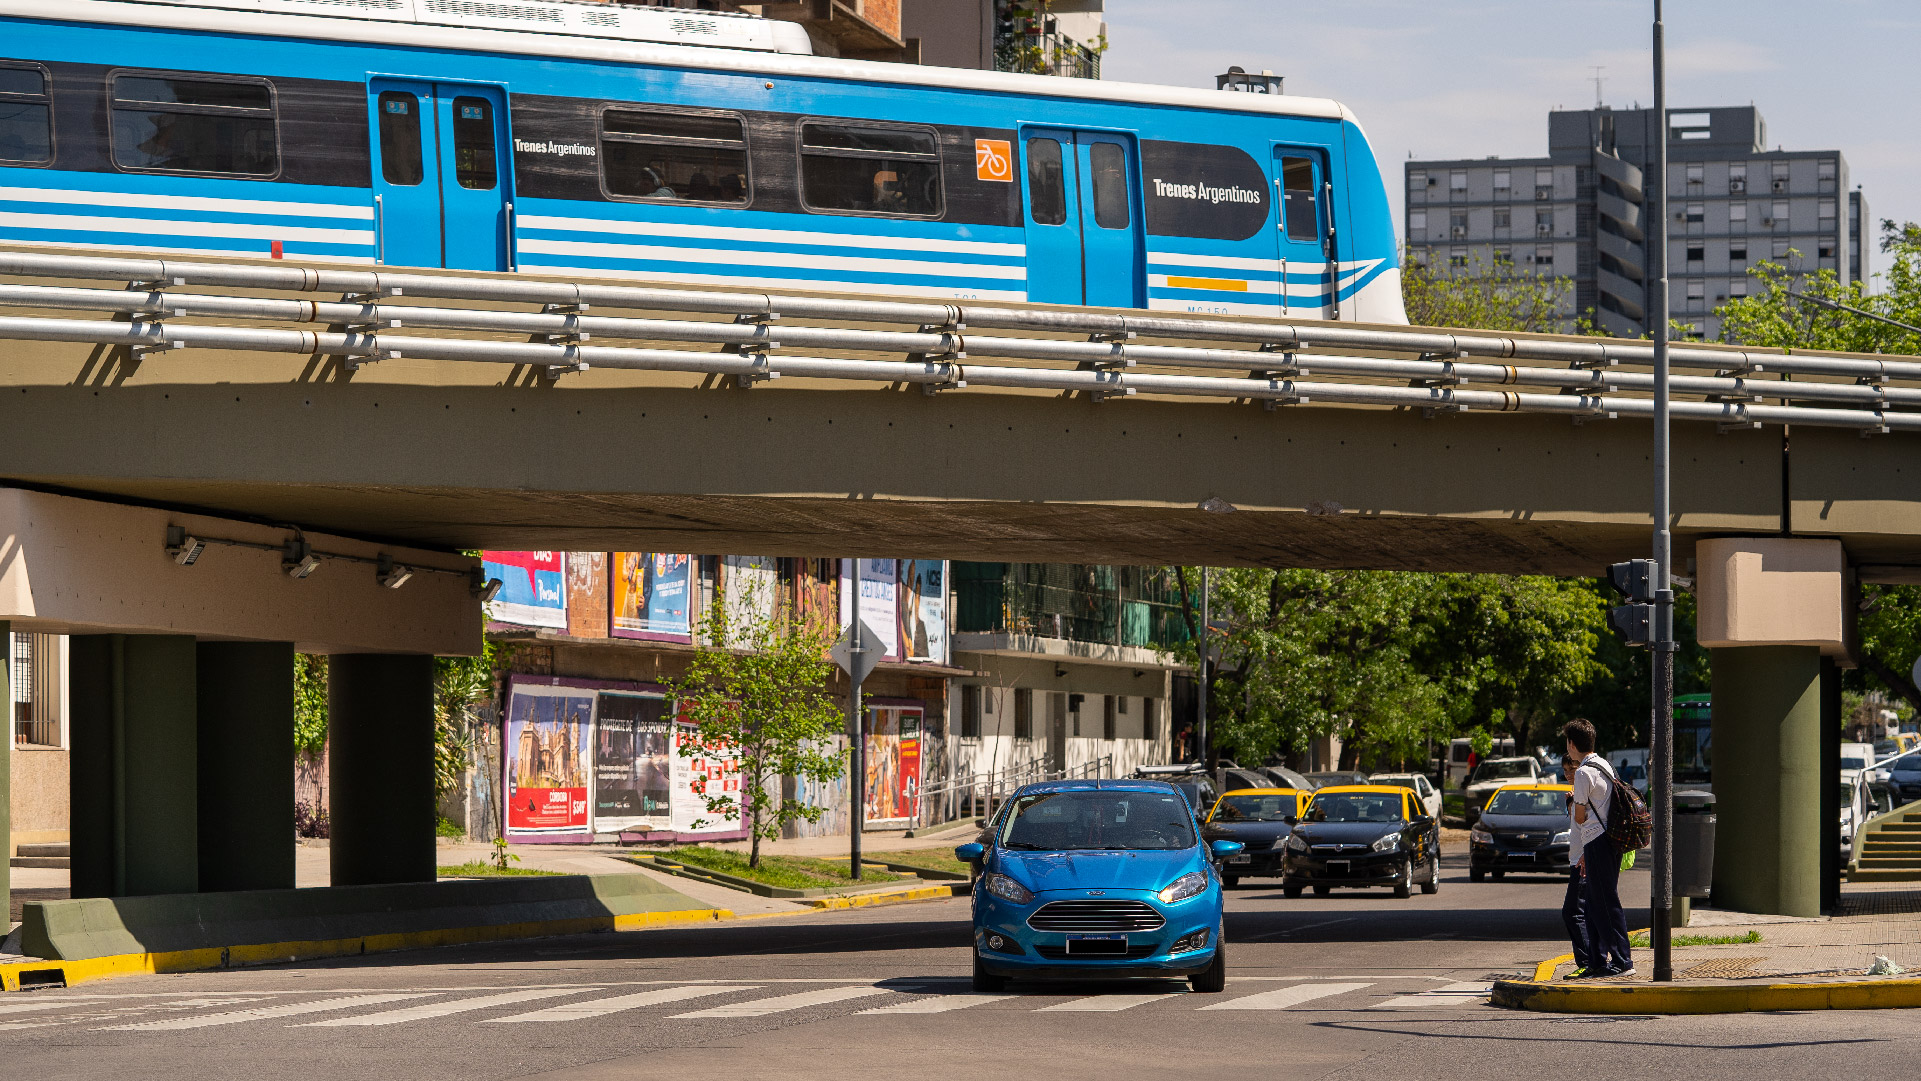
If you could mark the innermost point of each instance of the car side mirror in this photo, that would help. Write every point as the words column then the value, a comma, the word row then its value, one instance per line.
column 1224, row 849
column 972, row 852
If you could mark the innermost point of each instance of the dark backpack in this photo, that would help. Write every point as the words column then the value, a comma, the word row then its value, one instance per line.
column 1630, row 825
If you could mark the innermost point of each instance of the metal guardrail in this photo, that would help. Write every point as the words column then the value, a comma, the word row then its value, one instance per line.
column 981, row 793
column 1861, row 827
column 1580, row 378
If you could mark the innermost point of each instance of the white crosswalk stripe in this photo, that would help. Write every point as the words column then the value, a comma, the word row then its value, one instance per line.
column 34, row 1006
column 1453, row 996
column 782, row 1003
column 600, row 1007
column 1104, row 1003
column 1287, row 997
column 443, row 1009
column 936, row 1004
column 291, row 1009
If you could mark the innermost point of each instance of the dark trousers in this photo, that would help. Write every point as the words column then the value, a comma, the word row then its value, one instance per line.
column 1574, row 920
column 1607, row 923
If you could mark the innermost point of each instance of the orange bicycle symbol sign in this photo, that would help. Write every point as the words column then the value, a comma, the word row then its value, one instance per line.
column 994, row 160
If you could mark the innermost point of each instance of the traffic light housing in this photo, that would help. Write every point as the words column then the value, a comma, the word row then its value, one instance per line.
column 1634, row 621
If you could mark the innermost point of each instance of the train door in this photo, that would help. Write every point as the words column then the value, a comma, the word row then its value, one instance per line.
column 1305, row 231
column 440, row 176
column 1083, row 218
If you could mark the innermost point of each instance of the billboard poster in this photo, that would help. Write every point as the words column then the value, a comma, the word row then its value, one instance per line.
column 892, row 764
column 817, row 595
column 652, row 596
column 923, row 609
column 750, row 588
column 546, row 766
column 587, row 594
column 868, row 586
column 632, row 767
column 713, row 770
column 533, row 592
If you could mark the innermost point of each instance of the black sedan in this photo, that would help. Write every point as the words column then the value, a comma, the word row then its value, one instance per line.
column 1363, row 835
column 1525, row 828
column 1260, row 819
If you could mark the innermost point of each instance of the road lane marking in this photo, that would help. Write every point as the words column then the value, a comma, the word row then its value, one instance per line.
column 937, row 1004
column 600, row 1007
column 1453, row 996
column 782, row 1003
column 1105, row 1003
column 1286, row 997
column 30, row 1007
column 442, row 1009
column 292, row 1009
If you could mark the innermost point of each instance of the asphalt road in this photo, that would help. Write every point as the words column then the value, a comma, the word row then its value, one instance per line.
column 1354, row 985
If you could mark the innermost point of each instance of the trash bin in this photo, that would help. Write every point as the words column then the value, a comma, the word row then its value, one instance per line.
column 1693, row 843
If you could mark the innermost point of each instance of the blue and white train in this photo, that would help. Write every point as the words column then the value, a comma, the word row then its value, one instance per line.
column 675, row 146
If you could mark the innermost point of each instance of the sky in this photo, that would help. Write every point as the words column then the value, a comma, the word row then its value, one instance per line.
column 1456, row 79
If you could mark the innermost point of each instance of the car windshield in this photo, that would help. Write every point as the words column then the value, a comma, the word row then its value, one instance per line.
column 1501, row 769
column 1909, row 763
column 1355, row 807
column 1398, row 782
column 1515, row 801
column 1111, row 820
column 1266, row 807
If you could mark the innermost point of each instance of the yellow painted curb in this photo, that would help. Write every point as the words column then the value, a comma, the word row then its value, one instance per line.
column 864, row 900
column 1544, row 972
column 132, row 964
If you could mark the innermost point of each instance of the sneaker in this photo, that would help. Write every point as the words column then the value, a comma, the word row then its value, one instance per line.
column 1577, row 974
column 1627, row 971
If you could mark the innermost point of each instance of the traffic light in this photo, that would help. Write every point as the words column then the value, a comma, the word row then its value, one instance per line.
column 1634, row 621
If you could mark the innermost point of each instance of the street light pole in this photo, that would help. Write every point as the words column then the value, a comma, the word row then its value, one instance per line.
column 1205, row 745
column 1661, row 749
column 857, row 744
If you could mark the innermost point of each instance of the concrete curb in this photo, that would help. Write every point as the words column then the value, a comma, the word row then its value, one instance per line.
column 867, row 900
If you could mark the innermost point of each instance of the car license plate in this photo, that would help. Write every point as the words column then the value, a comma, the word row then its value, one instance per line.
column 1240, row 859
column 1528, row 856
column 1097, row 945
column 1339, row 865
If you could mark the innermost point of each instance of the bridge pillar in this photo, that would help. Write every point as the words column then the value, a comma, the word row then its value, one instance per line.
column 1770, row 610
column 380, row 767
column 246, row 765
column 6, row 772
column 134, row 797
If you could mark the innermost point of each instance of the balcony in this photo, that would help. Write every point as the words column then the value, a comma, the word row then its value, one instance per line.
column 1117, row 615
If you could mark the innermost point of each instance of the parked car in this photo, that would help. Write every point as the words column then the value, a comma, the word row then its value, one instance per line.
column 1140, row 896
column 1198, row 790
column 1328, row 777
column 1287, row 778
column 1856, row 757
column 1493, row 774
column 1904, row 777
column 1362, row 835
column 1524, row 827
column 1461, row 751
column 1236, row 777
column 1260, row 819
column 1416, row 783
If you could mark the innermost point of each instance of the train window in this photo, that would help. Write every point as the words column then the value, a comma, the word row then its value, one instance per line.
column 696, row 158
column 194, row 125
column 1046, row 187
column 400, row 138
column 26, row 115
column 1297, row 199
column 856, row 169
column 474, row 143
column 1110, row 185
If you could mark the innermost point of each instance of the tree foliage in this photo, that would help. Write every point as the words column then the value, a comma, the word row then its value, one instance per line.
column 309, row 702
column 1483, row 297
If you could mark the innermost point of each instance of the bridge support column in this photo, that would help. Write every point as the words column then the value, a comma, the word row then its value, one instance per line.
column 246, row 765
column 1770, row 610
column 380, row 726
column 134, row 796
column 6, row 772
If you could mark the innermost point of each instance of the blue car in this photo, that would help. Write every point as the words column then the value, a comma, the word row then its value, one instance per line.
column 1097, row 880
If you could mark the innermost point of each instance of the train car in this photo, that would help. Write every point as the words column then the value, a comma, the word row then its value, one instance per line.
column 609, row 141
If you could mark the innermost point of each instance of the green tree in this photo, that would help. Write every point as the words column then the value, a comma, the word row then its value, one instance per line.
column 1483, row 297
column 461, row 686
column 765, row 699
column 309, row 702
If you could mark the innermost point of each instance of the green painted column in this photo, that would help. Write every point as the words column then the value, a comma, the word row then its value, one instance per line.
column 380, row 767
column 6, row 774
column 135, row 802
column 1767, row 779
column 245, row 745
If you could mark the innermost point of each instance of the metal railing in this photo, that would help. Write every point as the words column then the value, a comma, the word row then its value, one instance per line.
column 979, row 794
column 1874, row 817
column 1580, row 378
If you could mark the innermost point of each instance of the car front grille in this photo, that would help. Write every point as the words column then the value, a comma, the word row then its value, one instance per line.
column 1095, row 917
column 1134, row 953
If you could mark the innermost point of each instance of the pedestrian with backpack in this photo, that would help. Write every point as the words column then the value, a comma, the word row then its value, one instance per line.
column 1572, row 916
column 1596, row 793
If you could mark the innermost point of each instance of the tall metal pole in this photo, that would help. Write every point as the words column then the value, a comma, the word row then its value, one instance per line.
column 1205, row 745
column 857, row 740
column 1661, row 750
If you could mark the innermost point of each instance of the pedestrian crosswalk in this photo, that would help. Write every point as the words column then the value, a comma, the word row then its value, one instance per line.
column 712, row 1001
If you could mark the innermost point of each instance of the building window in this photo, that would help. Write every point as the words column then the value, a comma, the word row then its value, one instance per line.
column 1696, row 174
column 680, row 157
column 36, row 688
column 1544, row 256
column 1737, row 288
column 1827, row 210
column 1781, row 249
column 1696, row 213
column 1457, row 258
column 1457, row 181
column 1544, row 223
column 1023, row 713
column 1069, row 705
column 1420, row 256
column 1150, row 718
column 1779, row 215
column 1738, row 251
column 1697, row 251
column 1738, row 178
column 856, row 169
column 1825, row 172
column 1778, row 177
column 1457, row 224
column 1107, row 716
column 192, row 125
column 1697, row 291
column 1417, row 223
column 26, row 114
column 1503, row 218
column 1824, row 248
column 1416, row 179
column 1503, row 182
column 1738, row 217
column 1544, row 183
column 970, row 726
column 1503, row 257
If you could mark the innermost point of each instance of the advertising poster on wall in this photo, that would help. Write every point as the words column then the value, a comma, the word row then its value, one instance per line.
column 893, row 764
column 546, row 761
column 533, row 591
column 817, row 595
column 870, row 587
column 713, row 770
column 923, row 609
column 750, row 587
column 632, row 768
column 652, row 596
column 587, row 594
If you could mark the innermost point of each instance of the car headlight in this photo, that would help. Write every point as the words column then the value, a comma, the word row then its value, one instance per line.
column 1296, row 843
column 1188, row 885
column 1387, row 844
column 1007, row 889
column 1483, row 837
column 1560, row 838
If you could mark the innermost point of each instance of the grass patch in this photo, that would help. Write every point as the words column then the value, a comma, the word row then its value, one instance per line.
column 933, row 859
column 786, row 872
column 477, row 869
column 448, row 828
column 1702, row 940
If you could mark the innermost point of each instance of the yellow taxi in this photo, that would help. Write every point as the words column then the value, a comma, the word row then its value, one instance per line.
column 1260, row 819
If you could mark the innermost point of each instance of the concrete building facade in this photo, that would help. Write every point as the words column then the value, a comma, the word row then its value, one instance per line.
column 1582, row 212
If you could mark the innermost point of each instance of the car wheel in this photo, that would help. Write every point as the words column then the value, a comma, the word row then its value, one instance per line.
column 1433, row 883
column 1405, row 887
column 1211, row 980
column 1321, row 891
column 1291, row 891
column 985, row 980
column 1474, row 874
column 1228, row 882
column 1499, row 875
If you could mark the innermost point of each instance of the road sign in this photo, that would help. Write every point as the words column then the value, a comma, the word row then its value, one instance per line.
column 857, row 662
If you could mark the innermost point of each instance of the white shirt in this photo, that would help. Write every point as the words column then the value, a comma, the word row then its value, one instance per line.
column 1593, row 789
